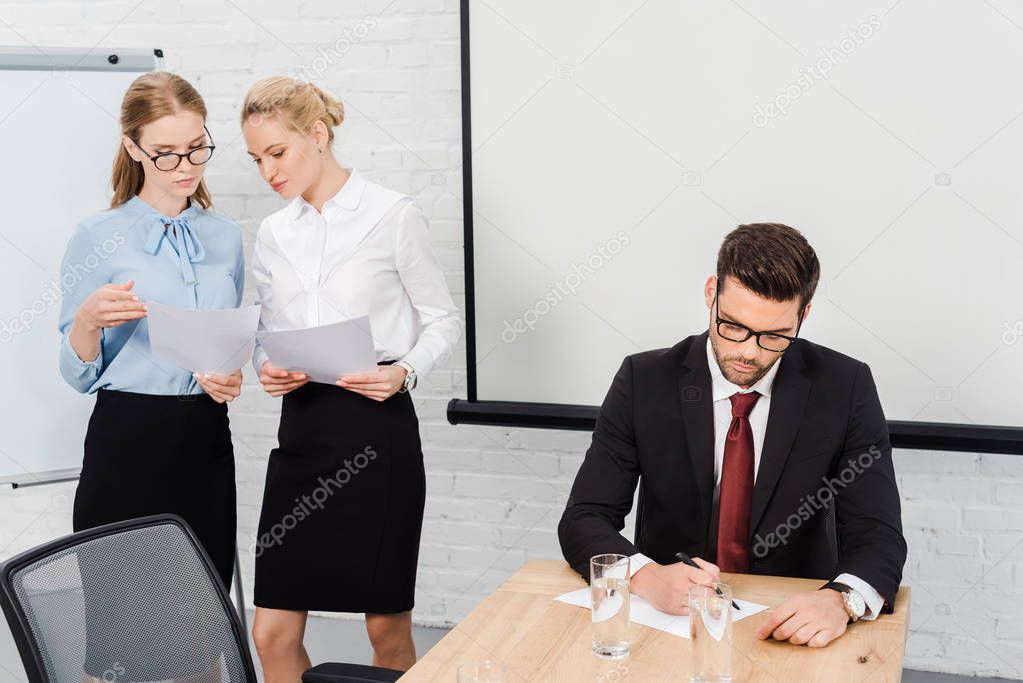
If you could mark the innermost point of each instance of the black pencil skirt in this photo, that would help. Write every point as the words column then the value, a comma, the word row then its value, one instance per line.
column 343, row 504
column 147, row 454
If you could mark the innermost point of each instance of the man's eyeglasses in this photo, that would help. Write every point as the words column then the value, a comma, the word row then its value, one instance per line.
column 732, row 331
column 168, row 161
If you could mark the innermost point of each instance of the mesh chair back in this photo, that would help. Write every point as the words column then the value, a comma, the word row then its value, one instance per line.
column 127, row 602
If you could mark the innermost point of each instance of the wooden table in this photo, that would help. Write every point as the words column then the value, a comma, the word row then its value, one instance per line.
column 540, row 639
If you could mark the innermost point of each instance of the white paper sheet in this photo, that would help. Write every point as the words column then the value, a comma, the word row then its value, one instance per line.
column 324, row 353
column 206, row 341
column 642, row 612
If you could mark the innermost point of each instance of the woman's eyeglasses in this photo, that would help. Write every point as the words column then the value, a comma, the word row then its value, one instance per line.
column 168, row 161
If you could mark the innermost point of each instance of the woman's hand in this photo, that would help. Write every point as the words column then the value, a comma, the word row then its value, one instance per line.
column 379, row 385
column 110, row 306
column 278, row 382
column 221, row 388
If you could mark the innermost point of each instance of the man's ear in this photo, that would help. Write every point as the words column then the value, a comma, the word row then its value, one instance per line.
column 709, row 290
column 806, row 311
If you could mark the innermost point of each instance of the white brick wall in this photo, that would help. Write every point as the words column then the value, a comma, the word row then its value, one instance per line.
column 494, row 495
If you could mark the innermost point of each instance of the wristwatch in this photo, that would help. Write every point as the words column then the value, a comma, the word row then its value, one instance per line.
column 855, row 606
column 410, row 377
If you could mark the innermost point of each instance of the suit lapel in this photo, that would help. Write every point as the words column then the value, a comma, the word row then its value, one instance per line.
column 697, row 408
column 788, row 402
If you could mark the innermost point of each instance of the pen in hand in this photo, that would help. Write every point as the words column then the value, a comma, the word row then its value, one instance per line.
column 685, row 559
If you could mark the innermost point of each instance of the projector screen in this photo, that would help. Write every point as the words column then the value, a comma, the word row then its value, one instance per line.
column 610, row 146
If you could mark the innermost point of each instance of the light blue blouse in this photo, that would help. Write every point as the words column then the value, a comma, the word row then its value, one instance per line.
column 196, row 262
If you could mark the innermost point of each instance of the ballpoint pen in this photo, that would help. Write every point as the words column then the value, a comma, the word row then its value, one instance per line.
column 685, row 559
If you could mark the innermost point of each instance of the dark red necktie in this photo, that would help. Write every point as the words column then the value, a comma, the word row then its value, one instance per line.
column 736, row 495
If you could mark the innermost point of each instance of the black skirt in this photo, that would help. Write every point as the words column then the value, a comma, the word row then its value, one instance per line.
column 343, row 504
column 147, row 454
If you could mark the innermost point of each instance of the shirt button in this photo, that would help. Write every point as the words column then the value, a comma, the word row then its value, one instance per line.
column 311, row 286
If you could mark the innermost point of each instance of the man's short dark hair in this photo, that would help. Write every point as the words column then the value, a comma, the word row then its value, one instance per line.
column 771, row 260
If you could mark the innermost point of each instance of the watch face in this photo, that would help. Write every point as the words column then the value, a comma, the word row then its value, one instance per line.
column 859, row 607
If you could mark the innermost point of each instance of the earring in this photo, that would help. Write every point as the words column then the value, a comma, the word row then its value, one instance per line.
column 320, row 150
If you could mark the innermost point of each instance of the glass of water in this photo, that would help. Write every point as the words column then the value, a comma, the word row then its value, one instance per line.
column 710, row 632
column 609, row 599
column 487, row 671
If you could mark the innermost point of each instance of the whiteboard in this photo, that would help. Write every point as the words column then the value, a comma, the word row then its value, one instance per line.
column 58, row 132
column 888, row 133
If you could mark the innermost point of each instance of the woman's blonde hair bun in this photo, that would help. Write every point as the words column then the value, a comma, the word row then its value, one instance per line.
column 299, row 103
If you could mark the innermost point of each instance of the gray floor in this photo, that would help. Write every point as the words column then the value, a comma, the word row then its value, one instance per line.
column 344, row 640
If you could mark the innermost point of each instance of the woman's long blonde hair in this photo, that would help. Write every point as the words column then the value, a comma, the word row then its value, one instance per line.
column 152, row 96
column 299, row 104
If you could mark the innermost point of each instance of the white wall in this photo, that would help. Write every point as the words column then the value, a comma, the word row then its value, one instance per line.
column 494, row 495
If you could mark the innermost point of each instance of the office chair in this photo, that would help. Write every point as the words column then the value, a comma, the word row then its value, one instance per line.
column 133, row 601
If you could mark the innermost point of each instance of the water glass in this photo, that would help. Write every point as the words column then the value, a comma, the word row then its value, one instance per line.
column 609, row 596
column 487, row 671
column 710, row 633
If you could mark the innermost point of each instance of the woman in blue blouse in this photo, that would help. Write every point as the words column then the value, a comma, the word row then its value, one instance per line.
column 158, row 439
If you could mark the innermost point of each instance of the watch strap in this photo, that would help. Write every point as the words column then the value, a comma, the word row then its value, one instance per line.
column 845, row 590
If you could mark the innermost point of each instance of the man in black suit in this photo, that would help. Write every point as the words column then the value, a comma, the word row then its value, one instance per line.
column 759, row 451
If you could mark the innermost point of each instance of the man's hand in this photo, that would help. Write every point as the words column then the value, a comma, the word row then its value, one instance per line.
column 815, row 619
column 666, row 586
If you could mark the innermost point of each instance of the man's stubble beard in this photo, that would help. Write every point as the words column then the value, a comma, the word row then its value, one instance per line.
column 738, row 379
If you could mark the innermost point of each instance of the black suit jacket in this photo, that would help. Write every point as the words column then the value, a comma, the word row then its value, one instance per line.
column 825, row 499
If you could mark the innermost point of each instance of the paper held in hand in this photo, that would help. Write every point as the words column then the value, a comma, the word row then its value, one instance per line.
column 324, row 353
column 217, row 341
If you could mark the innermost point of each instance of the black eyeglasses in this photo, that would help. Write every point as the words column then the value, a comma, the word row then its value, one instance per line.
column 769, row 341
column 168, row 161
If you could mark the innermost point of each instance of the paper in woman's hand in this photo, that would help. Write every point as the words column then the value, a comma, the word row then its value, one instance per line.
column 216, row 341
column 324, row 353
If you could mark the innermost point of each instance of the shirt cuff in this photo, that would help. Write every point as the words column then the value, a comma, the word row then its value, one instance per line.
column 80, row 374
column 420, row 360
column 258, row 358
column 870, row 596
column 637, row 562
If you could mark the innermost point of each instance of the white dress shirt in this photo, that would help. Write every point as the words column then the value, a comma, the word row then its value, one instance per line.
column 721, row 391
column 366, row 253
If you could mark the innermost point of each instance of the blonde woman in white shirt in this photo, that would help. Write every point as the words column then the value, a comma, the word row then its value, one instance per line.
column 343, row 505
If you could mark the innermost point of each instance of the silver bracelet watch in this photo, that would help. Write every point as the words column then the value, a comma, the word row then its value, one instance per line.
column 410, row 377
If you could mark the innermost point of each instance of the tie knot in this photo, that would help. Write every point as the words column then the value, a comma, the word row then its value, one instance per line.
column 742, row 404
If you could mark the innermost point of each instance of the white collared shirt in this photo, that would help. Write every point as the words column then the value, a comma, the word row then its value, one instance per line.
column 721, row 391
column 367, row 253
